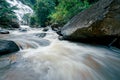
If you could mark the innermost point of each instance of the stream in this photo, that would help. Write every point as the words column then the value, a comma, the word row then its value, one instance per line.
column 44, row 57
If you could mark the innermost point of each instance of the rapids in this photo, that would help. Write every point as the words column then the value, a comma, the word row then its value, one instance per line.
column 47, row 58
column 44, row 57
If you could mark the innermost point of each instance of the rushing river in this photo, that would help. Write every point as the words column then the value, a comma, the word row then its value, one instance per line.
column 44, row 57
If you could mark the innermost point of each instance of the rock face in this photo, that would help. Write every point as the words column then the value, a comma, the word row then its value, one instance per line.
column 99, row 24
column 7, row 47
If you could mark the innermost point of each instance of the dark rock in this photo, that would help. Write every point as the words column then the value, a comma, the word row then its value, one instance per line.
column 23, row 29
column 54, row 25
column 46, row 29
column 7, row 47
column 57, row 28
column 41, row 35
column 15, row 24
column 60, row 38
column 59, row 32
column 99, row 24
column 4, row 32
column 116, row 43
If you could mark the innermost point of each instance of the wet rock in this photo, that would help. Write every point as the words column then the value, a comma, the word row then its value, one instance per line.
column 116, row 42
column 54, row 25
column 60, row 38
column 15, row 24
column 59, row 32
column 7, row 46
column 23, row 29
column 99, row 24
column 45, row 29
column 4, row 32
column 41, row 35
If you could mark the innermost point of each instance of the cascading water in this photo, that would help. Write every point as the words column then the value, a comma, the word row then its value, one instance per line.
column 22, row 10
column 47, row 58
column 44, row 57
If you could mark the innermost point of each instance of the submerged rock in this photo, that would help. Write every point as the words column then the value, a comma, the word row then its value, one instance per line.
column 60, row 38
column 7, row 47
column 4, row 32
column 41, row 35
column 44, row 42
column 45, row 29
column 99, row 24
column 23, row 29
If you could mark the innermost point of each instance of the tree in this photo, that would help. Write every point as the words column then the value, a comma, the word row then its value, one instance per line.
column 58, row 11
column 42, row 9
column 6, row 13
column 67, row 9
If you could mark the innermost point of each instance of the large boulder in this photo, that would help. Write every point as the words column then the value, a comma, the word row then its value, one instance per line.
column 98, row 24
column 7, row 47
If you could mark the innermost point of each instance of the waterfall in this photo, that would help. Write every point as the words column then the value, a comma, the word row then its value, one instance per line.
column 22, row 10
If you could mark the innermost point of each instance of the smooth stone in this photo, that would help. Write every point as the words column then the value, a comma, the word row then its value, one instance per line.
column 7, row 46
column 4, row 32
column 41, row 35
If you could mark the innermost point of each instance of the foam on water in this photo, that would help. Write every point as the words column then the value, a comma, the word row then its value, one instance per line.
column 47, row 58
column 60, row 60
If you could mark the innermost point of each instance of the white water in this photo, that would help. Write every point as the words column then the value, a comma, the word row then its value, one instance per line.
column 22, row 10
column 48, row 58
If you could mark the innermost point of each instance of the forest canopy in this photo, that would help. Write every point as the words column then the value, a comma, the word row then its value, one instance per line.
column 49, row 12
column 46, row 12
column 7, row 14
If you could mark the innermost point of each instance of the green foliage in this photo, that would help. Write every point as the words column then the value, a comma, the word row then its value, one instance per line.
column 42, row 9
column 33, row 21
column 66, row 9
column 46, row 11
column 58, row 11
column 6, row 13
column 26, row 18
